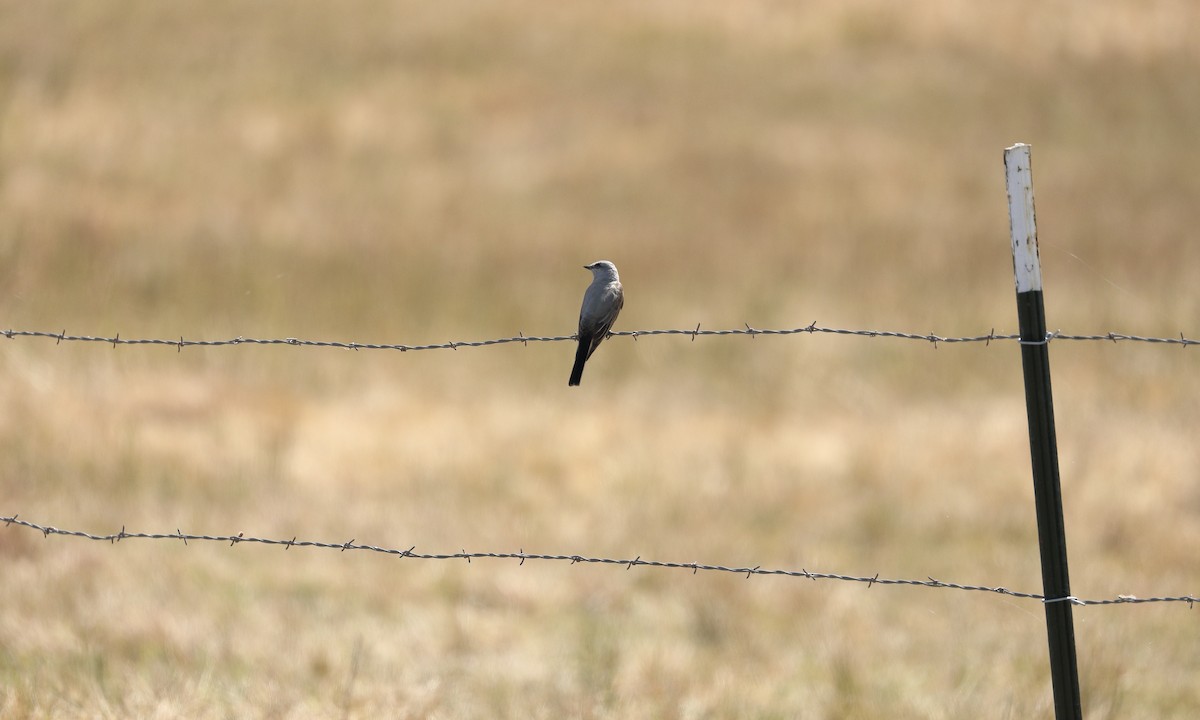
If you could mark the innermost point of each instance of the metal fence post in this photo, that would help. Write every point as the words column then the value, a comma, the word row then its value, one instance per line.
column 1039, row 403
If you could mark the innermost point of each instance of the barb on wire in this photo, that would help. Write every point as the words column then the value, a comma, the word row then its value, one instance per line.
column 521, row 337
column 522, row 556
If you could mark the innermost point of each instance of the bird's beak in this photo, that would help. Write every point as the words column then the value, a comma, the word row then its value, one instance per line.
column 587, row 267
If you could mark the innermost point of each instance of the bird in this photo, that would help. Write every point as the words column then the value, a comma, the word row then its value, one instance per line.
column 602, row 302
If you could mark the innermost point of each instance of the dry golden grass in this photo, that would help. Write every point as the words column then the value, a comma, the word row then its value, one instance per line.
column 419, row 172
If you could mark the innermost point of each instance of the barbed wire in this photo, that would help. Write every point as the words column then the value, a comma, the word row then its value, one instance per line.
column 812, row 328
column 628, row 564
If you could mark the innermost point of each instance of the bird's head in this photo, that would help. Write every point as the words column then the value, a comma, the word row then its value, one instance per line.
column 603, row 270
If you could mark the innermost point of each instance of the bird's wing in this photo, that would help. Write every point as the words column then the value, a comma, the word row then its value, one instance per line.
column 610, row 304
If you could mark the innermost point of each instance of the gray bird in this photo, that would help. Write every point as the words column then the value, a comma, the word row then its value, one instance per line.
column 602, row 302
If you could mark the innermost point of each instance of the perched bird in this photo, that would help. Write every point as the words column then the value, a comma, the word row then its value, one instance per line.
column 602, row 302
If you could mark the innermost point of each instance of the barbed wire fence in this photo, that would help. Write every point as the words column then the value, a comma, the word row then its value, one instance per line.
column 1033, row 341
column 628, row 563
column 810, row 329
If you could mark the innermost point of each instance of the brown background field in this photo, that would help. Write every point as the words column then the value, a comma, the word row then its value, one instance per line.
column 420, row 172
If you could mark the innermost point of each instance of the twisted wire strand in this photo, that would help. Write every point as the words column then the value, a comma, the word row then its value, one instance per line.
column 813, row 328
column 522, row 556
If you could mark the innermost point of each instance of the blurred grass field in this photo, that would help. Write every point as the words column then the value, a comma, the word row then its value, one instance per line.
column 404, row 172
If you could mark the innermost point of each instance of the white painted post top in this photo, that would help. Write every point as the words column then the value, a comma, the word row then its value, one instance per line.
column 1027, row 267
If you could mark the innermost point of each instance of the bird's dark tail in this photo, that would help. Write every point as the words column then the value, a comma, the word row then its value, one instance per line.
column 581, row 356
